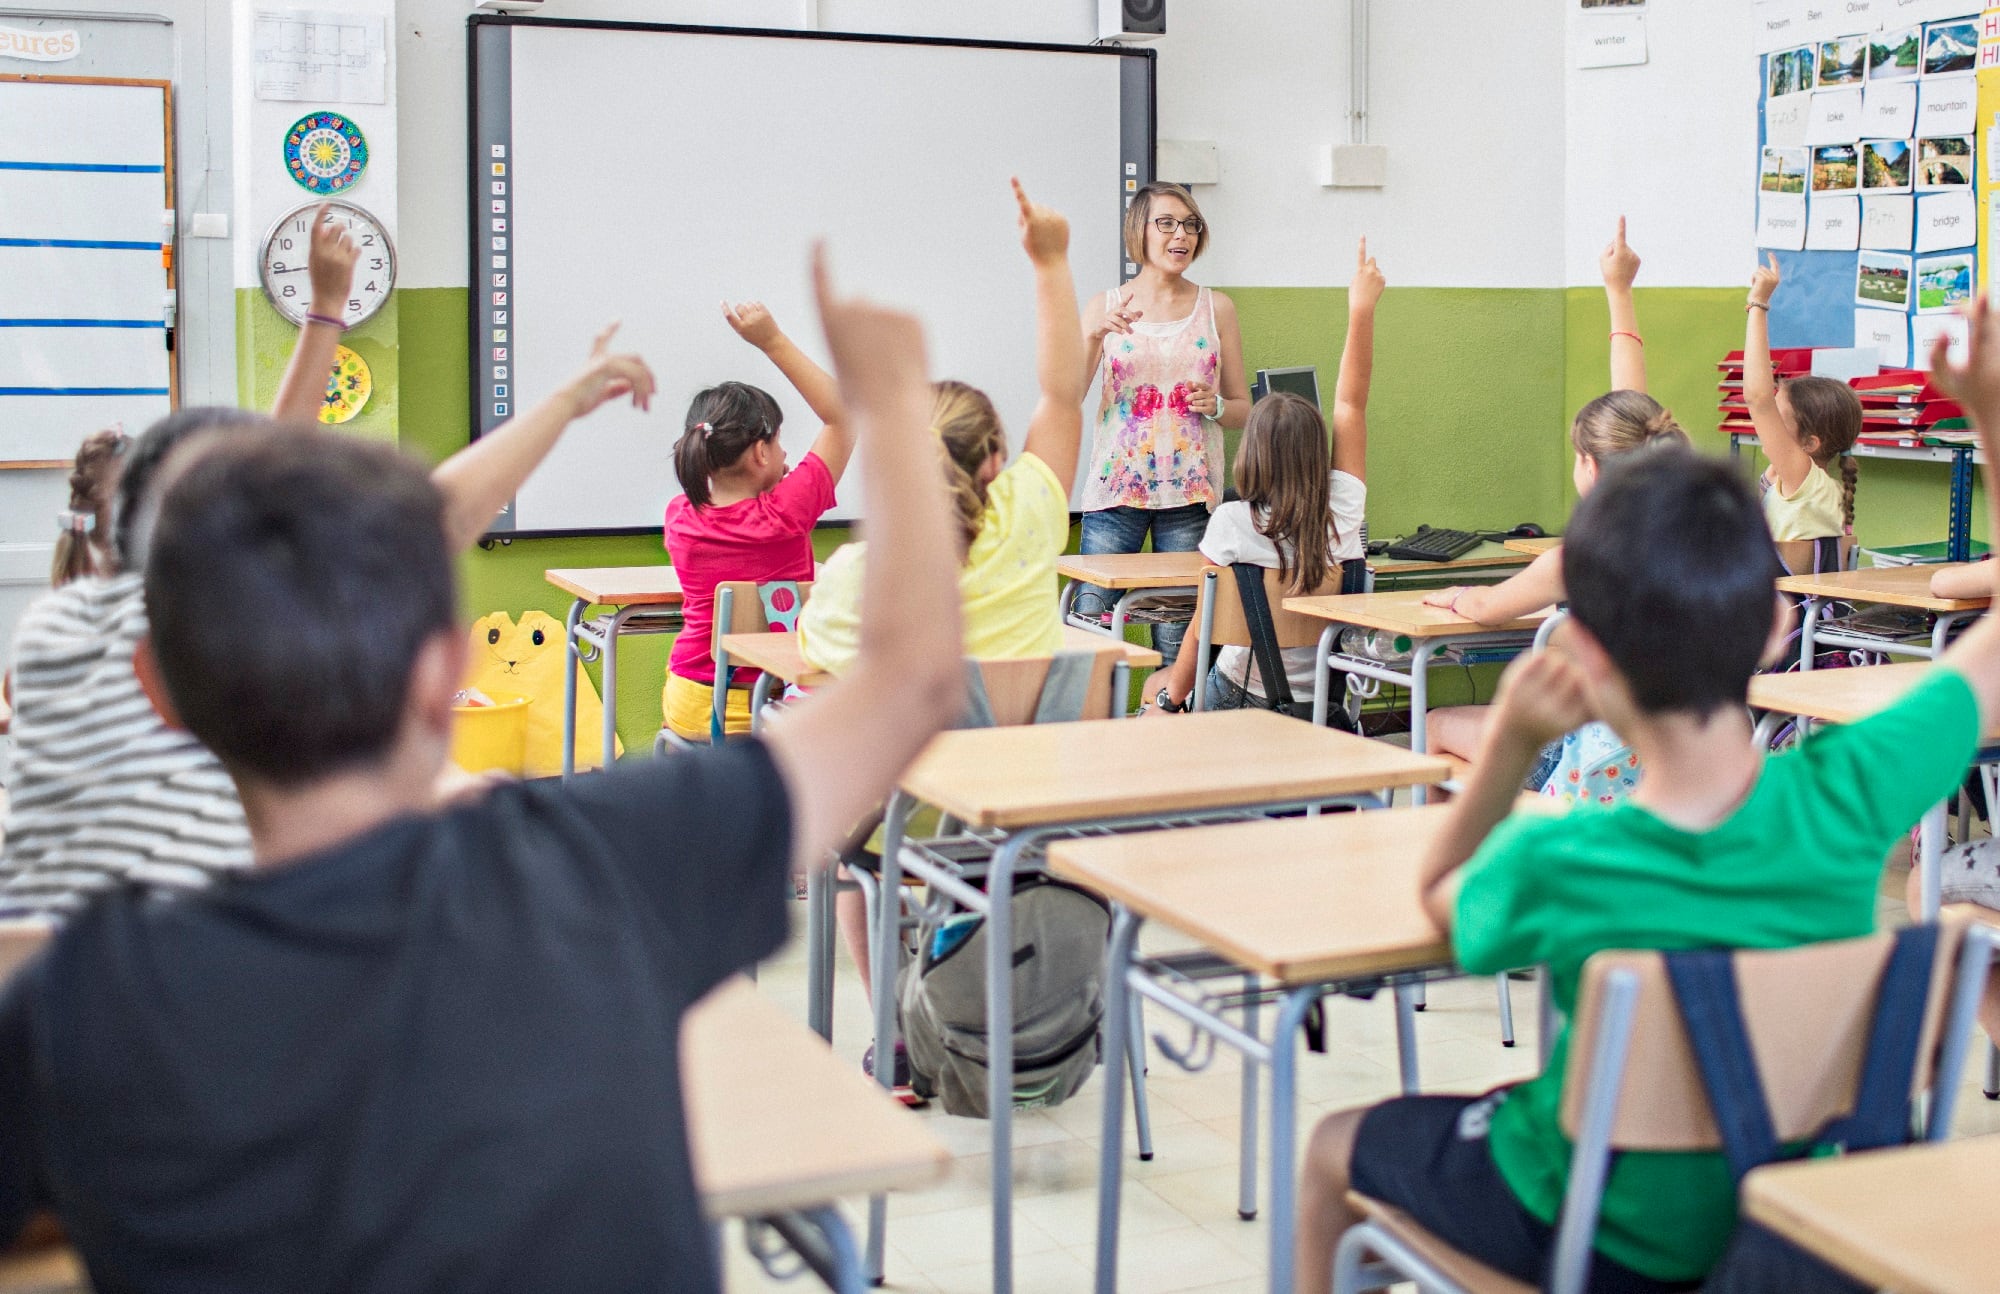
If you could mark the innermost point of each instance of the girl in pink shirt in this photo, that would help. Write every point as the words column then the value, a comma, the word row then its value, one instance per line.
column 741, row 514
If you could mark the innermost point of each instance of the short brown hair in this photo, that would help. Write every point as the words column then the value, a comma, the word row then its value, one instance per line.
column 1140, row 213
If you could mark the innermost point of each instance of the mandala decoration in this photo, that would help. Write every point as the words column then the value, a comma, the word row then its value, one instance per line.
column 325, row 152
column 348, row 389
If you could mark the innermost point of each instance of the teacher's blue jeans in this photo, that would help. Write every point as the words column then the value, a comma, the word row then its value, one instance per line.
column 1124, row 530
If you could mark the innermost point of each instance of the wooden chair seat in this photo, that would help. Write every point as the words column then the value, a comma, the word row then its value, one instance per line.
column 1468, row 1273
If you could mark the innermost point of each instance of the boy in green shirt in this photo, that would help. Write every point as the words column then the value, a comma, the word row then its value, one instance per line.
column 1669, row 567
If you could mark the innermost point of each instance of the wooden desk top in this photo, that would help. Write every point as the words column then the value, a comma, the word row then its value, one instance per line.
column 778, row 654
column 1133, row 570
column 1054, row 773
column 620, row 586
column 1327, row 898
column 1897, row 586
column 1488, row 556
column 1838, row 695
column 1912, row 1219
column 1402, row 612
column 1532, row 547
column 776, row 1121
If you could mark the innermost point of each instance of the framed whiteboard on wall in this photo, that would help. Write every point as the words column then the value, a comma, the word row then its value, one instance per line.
column 86, row 273
column 644, row 173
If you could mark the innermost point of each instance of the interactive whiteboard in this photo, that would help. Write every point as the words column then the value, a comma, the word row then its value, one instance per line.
column 645, row 173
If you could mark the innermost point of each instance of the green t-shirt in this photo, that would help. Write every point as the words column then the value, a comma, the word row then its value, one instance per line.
column 1799, row 862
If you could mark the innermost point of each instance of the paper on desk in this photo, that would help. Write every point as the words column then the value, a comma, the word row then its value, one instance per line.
column 322, row 55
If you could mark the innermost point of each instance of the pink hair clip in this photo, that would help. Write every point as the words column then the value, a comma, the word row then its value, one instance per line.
column 706, row 429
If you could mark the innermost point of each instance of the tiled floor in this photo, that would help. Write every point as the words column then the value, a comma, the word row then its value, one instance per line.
column 1180, row 1228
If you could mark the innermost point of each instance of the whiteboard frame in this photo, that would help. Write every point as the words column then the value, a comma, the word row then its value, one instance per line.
column 496, row 82
column 169, row 240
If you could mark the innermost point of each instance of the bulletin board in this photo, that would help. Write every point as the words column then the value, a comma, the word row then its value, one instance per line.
column 1871, row 165
column 1870, row 161
column 86, row 274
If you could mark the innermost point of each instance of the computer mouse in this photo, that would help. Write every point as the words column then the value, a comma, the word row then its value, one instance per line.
column 1527, row 530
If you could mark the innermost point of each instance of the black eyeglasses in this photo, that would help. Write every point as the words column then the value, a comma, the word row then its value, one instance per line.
column 1167, row 225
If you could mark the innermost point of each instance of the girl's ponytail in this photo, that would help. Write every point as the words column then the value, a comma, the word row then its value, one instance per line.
column 967, row 423
column 723, row 422
column 83, row 543
column 1850, row 476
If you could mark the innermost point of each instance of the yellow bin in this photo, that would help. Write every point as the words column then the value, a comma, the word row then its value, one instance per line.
column 491, row 736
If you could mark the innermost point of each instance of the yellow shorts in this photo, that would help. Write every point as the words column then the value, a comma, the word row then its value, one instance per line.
column 688, row 705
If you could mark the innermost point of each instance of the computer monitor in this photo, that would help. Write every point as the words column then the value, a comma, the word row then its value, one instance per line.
column 1296, row 381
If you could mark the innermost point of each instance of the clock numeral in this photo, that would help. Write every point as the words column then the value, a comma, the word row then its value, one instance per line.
column 368, row 240
column 285, row 244
column 354, row 303
column 371, row 287
column 375, row 264
column 289, row 291
column 279, row 267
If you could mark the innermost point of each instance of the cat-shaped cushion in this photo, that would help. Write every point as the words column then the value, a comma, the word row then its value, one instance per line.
column 525, row 658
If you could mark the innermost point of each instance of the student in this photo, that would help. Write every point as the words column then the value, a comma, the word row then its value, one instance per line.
column 102, row 793
column 424, row 1050
column 741, row 515
column 83, row 538
column 1721, row 845
column 1013, row 518
column 1803, row 426
column 1172, row 359
column 1616, row 423
column 1296, row 516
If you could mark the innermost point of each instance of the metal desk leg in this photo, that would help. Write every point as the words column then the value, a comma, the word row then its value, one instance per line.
column 1000, row 1048
column 1930, row 859
column 1406, row 1037
column 1118, row 999
column 610, row 699
column 1284, row 1124
column 886, row 929
column 1506, row 1011
column 1142, row 1119
column 1991, row 1086
column 1117, row 629
column 821, row 1238
column 760, row 696
column 1808, row 634
column 819, row 940
column 1545, row 1016
column 1322, row 669
column 571, row 650
column 1246, row 1155
column 1420, row 708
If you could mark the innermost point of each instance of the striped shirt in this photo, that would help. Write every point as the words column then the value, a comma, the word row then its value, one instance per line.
column 101, row 792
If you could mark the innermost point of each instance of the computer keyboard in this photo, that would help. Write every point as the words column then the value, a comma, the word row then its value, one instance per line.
column 1433, row 545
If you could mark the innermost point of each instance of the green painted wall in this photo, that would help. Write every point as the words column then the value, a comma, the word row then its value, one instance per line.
column 1468, row 421
column 264, row 341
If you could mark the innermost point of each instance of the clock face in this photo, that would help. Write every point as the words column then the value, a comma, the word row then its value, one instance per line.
column 286, row 251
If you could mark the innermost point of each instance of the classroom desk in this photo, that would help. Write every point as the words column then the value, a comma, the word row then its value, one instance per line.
column 1532, row 547
column 1306, row 906
column 1131, row 576
column 1911, row 1219
column 1896, row 586
column 1402, row 613
column 1490, row 558
column 1843, row 696
column 779, row 1128
column 1024, row 786
column 643, row 599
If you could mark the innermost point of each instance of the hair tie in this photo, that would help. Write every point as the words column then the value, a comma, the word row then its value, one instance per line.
column 706, row 429
column 76, row 523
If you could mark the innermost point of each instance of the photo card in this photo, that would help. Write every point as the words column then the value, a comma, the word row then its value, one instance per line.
column 1895, row 53
column 1784, row 170
column 1835, row 168
column 1843, row 61
column 1789, row 71
column 1882, row 279
column 1885, row 166
column 1950, row 47
column 1944, row 162
column 1943, row 282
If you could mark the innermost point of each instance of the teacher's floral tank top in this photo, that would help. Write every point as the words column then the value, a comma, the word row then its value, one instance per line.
column 1150, row 450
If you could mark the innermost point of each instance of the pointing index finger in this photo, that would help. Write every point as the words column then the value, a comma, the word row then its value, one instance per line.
column 1621, row 231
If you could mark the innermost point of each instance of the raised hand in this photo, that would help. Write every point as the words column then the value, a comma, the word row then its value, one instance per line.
column 1541, row 697
column 1044, row 232
column 1618, row 263
column 878, row 353
column 330, row 264
column 1764, row 281
column 1366, row 287
column 1975, row 380
column 752, row 322
column 606, row 376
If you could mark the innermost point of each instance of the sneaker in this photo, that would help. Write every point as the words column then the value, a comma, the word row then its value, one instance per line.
column 900, row 1087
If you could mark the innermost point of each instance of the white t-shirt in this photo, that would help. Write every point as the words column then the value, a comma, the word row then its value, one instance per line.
column 1232, row 536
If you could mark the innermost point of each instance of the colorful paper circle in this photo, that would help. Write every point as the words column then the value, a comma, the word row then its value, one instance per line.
column 348, row 389
column 325, row 152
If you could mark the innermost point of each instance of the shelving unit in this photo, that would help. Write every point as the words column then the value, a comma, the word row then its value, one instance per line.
column 1963, row 458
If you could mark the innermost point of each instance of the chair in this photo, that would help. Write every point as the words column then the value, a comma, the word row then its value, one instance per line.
column 1818, row 556
column 1634, row 1083
column 1220, row 620
column 741, row 607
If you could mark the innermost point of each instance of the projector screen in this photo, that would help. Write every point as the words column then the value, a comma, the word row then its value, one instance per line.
column 644, row 174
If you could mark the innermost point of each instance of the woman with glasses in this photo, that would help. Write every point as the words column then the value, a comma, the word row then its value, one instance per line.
column 1171, row 359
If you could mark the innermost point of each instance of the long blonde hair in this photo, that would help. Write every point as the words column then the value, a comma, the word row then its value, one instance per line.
column 969, row 426
column 1282, row 471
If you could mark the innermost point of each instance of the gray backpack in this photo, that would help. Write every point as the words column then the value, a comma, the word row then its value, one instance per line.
column 1060, row 935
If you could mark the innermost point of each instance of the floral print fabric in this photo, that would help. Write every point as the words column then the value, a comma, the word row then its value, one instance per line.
column 1151, row 450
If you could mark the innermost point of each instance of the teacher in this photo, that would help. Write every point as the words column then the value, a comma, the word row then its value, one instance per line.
column 1172, row 366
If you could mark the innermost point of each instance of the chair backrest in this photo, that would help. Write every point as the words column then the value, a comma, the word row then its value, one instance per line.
column 1230, row 629
column 1014, row 687
column 1808, row 1011
column 747, row 609
column 1799, row 556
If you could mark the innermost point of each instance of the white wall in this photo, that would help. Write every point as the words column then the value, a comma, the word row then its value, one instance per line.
column 1672, row 144
column 1265, row 80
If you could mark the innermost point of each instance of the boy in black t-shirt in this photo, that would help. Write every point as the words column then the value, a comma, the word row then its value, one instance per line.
column 418, row 1048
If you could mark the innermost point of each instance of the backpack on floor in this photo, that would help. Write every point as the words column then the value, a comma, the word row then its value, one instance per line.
column 1060, row 934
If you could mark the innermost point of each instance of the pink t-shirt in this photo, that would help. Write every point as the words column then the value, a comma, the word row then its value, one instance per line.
column 765, row 538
